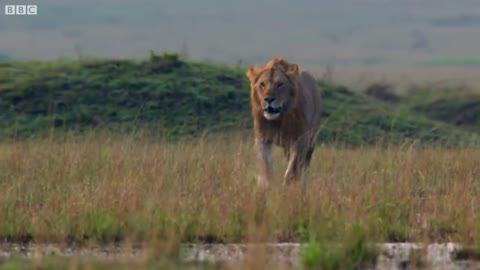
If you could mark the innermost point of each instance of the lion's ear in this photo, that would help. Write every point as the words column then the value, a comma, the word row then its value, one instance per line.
column 293, row 70
column 252, row 72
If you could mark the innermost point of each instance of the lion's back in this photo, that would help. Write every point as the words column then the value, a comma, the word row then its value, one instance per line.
column 313, row 100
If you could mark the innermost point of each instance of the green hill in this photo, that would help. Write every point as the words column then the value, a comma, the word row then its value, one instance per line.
column 177, row 99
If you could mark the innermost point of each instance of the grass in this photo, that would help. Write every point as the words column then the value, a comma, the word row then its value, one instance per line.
column 163, row 93
column 75, row 263
column 352, row 253
column 101, row 189
column 459, row 106
column 174, row 99
column 159, row 152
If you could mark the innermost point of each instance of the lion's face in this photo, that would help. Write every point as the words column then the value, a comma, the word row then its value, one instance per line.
column 273, row 87
column 274, row 92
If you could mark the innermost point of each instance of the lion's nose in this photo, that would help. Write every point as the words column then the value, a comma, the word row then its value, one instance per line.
column 269, row 99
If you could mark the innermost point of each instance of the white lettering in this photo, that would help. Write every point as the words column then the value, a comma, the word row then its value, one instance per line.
column 32, row 9
column 9, row 10
column 21, row 9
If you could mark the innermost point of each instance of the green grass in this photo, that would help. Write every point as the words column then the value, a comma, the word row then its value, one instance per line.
column 459, row 106
column 352, row 252
column 172, row 99
column 182, row 98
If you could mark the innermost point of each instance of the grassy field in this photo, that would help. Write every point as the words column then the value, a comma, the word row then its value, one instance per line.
column 159, row 152
column 97, row 189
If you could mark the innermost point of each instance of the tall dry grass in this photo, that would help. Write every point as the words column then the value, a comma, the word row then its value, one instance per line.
column 103, row 189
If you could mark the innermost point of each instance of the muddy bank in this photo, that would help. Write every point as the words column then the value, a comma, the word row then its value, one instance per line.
column 392, row 255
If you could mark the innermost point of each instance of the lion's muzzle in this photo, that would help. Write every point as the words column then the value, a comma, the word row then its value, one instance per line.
column 271, row 113
column 272, row 110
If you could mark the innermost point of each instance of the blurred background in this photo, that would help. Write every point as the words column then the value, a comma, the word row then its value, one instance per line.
column 352, row 36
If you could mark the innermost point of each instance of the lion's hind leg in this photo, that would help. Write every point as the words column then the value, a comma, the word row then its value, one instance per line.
column 308, row 158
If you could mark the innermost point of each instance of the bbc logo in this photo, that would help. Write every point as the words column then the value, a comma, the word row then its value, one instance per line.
column 20, row 9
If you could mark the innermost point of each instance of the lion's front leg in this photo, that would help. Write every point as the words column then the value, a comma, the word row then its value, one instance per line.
column 293, row 171
column 298, row 159
column 265, row 163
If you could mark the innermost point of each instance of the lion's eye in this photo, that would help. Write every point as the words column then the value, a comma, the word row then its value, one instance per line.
column 279, row 85
column 262, row 85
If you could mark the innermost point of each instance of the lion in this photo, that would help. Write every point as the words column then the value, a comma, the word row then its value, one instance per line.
column 286, row 108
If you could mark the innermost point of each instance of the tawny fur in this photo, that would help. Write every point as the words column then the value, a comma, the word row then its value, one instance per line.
column 297, row 127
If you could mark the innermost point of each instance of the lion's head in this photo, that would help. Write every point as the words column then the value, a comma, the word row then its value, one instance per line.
column 273, row 87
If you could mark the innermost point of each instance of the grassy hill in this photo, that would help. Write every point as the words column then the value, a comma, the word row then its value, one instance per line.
column 174, row 99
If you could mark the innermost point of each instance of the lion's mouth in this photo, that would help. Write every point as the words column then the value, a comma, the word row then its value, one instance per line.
column 271, row 113
column 272, row 110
